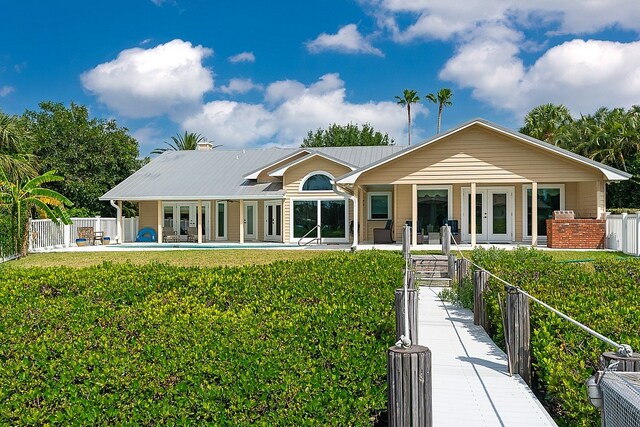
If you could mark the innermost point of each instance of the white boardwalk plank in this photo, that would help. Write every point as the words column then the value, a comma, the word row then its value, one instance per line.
column 471, row 382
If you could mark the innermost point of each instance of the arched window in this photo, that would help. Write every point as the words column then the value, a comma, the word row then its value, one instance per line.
column 317, row 182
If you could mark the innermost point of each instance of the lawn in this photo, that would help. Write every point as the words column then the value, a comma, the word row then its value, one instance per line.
column 182, row 258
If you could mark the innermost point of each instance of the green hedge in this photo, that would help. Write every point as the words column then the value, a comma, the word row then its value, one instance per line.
column 618, row 211
column 603, row 295
column 290, row 343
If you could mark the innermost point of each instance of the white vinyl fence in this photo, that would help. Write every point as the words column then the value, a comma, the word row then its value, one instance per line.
column 45, row 234
column 623, row 233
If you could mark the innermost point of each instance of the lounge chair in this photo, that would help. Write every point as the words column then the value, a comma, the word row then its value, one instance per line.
column 192, row 235
column 169, row 235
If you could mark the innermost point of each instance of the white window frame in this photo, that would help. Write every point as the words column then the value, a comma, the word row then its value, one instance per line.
column 389, row 205
column 449, row 189
column 193, row 212
column 309, row 175
column 320, row 199
column 225, row 219
column 525, row 223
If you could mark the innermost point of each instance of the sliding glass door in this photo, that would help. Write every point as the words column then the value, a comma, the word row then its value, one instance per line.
column 325, row 219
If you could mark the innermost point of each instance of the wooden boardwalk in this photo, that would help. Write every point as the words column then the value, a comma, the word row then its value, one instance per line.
column 471, row 382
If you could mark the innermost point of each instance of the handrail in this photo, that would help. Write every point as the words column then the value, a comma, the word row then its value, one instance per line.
column 319, row 239
column 624, row 350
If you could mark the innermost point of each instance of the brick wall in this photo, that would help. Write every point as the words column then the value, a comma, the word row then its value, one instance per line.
column 576, row 233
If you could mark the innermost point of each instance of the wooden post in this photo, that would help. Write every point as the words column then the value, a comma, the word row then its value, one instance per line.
column 451, row 267
column 462, row 271
column 518, row 333
column 625, row 364
column 409, row 387
column 413, row 314
column 480, row 283
column 446, row 239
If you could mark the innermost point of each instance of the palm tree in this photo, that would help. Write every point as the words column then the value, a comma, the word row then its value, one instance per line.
column 546, row 122
column 443, row 99
column 188, row 141
column 408, row 97
column 21, row 197
column 14, row 162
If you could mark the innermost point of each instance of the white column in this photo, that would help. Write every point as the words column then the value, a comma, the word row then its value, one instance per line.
column 66, row 232
column 199, row 221
column 241, row 221
column 355, row 218
column 534, row 214
column 120, row 223
column 160, row 215
column 473, row 215
column 395, row 211
column 414, row 214
column 98, row 224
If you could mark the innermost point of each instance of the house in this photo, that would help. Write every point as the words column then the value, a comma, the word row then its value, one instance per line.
column 480, row 174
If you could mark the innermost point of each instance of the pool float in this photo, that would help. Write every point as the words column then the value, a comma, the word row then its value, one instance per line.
column 147, row 234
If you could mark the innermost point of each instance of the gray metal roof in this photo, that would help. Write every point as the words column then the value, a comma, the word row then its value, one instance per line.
column 219, row 174
column 611, row 173
column 193, row 175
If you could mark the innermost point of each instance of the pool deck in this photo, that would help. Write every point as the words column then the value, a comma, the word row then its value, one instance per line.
column 471, row 382
column 275, row 246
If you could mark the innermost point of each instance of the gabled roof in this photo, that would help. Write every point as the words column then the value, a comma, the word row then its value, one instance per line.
column 282, row 170
column 611, row 173
column 255, row 173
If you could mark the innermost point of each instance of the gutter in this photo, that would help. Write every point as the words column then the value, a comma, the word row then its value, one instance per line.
column 118, row 220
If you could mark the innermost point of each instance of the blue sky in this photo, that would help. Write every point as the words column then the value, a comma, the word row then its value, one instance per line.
column 255, row 73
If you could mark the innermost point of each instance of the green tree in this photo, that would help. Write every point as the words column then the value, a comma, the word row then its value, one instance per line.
column 188, row 141
column 442, row 99
column 15, row 162
column 343, row 136
column 408, row 97
column 22, row 198
column 546, row 122
column 93, row 155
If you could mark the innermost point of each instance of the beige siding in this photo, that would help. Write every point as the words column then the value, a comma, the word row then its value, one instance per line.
column 403, row 209
column 148, row 214
column 295, row 174
column 286, row 215
column 588, row 199
column 264, row 175
column 233, row 221
column 482, row 156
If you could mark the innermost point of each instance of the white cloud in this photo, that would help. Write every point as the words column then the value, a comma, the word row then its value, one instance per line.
column 6, row 90
column 583, row 75
column 148, row 136
column 150, row 82
column 294, row 110
column 242, row 57
column 347, row 40
column 240, row 86
column 491, row 37
column 443, row 19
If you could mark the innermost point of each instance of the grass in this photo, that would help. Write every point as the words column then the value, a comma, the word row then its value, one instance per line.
column 228, row 257
column 181, row 258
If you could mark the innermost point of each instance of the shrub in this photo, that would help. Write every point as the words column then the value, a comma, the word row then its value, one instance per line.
column 289, row 343
column 602, row 295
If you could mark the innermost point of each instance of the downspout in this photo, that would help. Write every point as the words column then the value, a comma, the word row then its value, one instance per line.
column 354, row 199
column 118, row 220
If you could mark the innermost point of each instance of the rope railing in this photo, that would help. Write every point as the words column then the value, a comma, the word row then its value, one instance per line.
column 623, row 350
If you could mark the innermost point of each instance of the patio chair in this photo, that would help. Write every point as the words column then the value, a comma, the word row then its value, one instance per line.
column 87, row 233
column 419, row 235
column 383, row 235
column 192, row 235
column 169, row 235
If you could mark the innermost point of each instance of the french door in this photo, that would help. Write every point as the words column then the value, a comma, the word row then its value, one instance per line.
column 182, row 217
column 273, row 221
column 494, row 214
